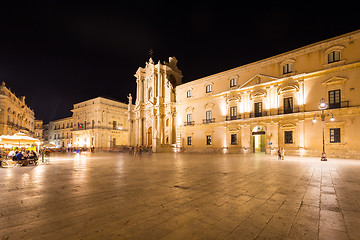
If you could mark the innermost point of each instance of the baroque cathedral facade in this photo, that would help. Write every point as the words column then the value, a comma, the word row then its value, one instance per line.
column 259, row 107
column 152, row 118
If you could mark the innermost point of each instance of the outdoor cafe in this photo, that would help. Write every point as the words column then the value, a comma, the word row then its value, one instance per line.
column 19, row 149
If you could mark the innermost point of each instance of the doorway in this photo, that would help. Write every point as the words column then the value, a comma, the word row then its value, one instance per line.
column 258, row 139
column 149, row 136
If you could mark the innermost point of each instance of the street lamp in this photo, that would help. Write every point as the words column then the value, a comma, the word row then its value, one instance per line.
column 322, row 106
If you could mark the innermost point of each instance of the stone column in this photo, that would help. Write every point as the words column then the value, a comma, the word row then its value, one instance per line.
column 245, row 132
column 301, row 134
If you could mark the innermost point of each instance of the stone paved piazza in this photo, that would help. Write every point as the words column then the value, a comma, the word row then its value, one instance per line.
column 181, row 196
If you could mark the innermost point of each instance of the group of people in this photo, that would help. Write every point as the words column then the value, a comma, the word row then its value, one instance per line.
column 23, row 157
column 138, row 150
column 281, row 154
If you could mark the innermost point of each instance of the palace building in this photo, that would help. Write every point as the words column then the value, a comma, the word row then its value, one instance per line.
column 258, row 107
column 15, row 115
column 100, row 122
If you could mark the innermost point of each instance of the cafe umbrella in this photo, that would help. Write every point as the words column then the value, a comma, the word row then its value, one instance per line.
column 19, row 139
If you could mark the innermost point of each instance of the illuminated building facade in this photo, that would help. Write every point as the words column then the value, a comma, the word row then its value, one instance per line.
column 60, row 132
column 152, row 118
column 100, row 122
column 15, row 115
column 262, row 106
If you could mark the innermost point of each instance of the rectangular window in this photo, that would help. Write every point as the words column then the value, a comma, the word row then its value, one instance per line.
column 258, row 109
column 335, row 135
column 233, row 82
column 208, row 139
column 208, row 88
column 233, row 139
column 288, row 137
column 287, row 68
column 233, row 111
column 288, row 105
column 208, row 115
column 188, row 118
column 188, row 93
column 335, row 99
column 189, row 141
column 114, row 125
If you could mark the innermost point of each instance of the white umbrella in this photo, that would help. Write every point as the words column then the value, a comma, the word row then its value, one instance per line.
column 18, row 139
column 49, row 145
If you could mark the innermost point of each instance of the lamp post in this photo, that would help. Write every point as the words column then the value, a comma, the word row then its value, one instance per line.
column 323, row 106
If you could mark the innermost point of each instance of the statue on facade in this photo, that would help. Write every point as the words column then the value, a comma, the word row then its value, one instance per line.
column 130, row 98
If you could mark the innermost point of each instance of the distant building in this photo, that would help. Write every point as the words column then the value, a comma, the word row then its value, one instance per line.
column 258, row 107
column 60, row 132
column 15, row 115
column 98, row 122
column 38, row 129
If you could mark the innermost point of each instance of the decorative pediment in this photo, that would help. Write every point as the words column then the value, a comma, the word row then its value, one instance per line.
column 334, row 80
column 288, row 87
column 258, row 93
column 233, row 97
column 233, row 128
column 209, row 106
column 189, row 109
column 258, row 79
column 288, row 125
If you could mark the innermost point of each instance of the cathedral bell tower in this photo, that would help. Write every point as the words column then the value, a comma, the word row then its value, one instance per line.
column 153, row 116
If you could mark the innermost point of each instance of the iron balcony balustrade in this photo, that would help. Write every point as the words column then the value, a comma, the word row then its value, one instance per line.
column 13, row 125
column 97, row 127
column 341, row 104
column 288, row 110
column 189, row 123
column 210, row 120
column 258, row 114
column 235, row 117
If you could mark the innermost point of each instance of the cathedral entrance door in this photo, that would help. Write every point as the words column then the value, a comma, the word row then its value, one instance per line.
column 149, row 136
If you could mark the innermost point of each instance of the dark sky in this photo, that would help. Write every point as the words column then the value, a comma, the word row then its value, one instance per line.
column 58, row 53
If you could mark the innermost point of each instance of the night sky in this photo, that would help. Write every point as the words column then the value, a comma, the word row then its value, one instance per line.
column 58, row 53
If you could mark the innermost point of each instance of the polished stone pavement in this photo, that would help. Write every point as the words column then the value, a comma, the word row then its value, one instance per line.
column 181, row 196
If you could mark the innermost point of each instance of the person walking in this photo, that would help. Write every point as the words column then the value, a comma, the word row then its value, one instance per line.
column 282, row 154
column 279, row 154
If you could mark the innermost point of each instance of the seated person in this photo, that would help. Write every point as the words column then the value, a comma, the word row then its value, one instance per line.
column 25, row 154
column 33, row 155
column 12, row 154
column 19, row 156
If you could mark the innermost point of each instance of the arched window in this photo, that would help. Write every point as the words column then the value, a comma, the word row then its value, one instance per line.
column 334, row 56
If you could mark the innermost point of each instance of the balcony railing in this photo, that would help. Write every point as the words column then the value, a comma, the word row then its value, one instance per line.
column 97, row 127
column 341, row 104
column 210, row 120
column 288, row 110
column 258, row 114
column 189, row 123
column 230, row 118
